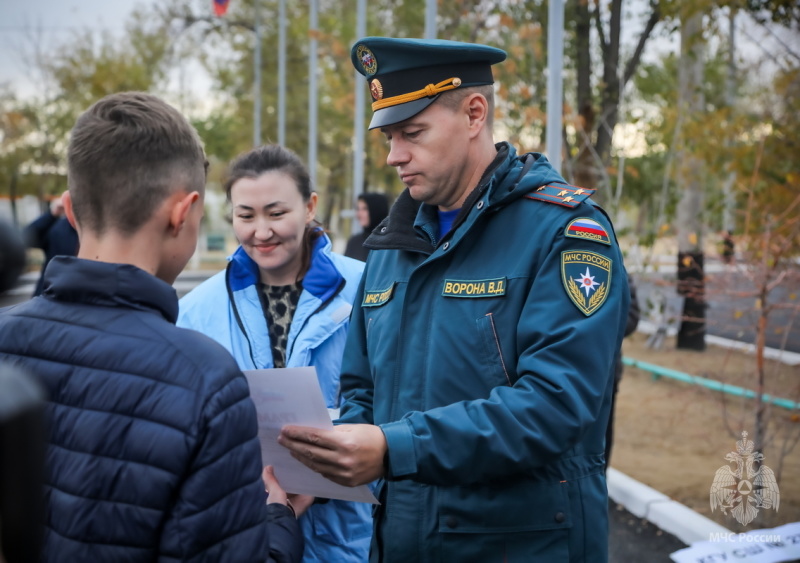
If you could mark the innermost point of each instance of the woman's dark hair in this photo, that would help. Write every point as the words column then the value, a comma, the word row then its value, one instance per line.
column 275, row 158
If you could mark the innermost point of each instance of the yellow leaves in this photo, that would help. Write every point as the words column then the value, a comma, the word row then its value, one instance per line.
column 792, row 296
column 506, row 20
column 534, row 114
column 517, row 51
column 693, row 239
column 738, row 314
column 633, row 172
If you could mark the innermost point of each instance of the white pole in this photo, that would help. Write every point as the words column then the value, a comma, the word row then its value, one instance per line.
column 358, row 145
column 313, row 24
column 430, row 19
column 555, row 61
column 282, row 73
column 257, row 79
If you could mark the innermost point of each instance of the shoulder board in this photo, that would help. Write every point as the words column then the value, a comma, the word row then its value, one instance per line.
column 561, row 194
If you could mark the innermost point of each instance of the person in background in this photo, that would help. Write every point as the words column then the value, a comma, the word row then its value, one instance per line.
column 21, row 433
column 12, row 255
column 477, row 372
column 728, row 247
column 152, row 453
column 54, row 235
column 285, row 301
column 634, row 313
column 372, row 208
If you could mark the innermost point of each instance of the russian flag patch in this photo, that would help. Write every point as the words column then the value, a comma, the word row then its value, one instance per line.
column 588, row 229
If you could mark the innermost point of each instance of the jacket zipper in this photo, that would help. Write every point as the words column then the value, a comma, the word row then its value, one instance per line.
column 499, row 351
column 236, row 315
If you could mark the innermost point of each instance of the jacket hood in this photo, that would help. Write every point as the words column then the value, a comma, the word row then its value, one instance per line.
column 506, row 179
column 515, row 176
column 322, row 280
column 378, row 206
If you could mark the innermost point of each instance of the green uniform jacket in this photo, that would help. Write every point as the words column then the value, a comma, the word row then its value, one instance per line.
column 487, row 359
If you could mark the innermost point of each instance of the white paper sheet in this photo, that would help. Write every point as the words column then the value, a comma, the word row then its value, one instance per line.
column 293, row 396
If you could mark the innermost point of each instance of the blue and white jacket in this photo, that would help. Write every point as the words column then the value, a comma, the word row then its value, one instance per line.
column 227, row 308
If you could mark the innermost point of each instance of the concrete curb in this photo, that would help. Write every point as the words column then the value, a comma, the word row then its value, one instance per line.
column 669, row 515
column 783, row 356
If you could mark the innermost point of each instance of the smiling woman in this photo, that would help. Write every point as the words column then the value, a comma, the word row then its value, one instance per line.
column 284, row 301
column 270, row 220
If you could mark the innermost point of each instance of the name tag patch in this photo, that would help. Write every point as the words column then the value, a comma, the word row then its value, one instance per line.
column 378, row 297
column 586, row 277
column 588, row 229
column 474, row 288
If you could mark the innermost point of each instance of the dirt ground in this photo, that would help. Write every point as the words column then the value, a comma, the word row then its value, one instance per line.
column 673, row 436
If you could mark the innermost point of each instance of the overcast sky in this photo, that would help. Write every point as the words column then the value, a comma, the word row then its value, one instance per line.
column 56, row 19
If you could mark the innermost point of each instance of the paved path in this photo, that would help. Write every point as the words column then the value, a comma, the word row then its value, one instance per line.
column 732, row 304
column 635, row 540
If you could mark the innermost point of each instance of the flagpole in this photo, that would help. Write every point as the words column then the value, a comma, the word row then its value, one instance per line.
column 282, row 73
column 430, row 19
column 256, row 78
column 313, row 24
column 555, row 81
column 358, row 148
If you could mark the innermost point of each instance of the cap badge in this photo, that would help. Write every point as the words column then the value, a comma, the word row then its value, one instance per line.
column 367, row 59
column 376, row 88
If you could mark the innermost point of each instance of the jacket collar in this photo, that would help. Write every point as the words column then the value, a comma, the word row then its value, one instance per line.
column 323, row 279
column 410, row 224
column 88, row 282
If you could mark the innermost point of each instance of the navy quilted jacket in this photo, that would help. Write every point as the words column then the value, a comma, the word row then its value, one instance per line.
column 152, row 452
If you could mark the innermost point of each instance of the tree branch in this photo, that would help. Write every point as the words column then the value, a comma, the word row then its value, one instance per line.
column 600, row 31
column 633, row 62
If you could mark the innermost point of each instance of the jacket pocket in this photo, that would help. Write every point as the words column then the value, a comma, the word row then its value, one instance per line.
column 493, row 359
column 518, row 505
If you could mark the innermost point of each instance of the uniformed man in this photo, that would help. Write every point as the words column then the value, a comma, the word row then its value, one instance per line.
column 478, row 368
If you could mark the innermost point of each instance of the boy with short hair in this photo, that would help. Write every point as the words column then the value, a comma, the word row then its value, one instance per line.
column 153, row 450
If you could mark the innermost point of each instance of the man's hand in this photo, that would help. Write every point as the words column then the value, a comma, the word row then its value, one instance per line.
column 350, row 454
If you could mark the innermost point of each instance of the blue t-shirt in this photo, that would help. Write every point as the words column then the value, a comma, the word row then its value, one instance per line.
column 446, row 219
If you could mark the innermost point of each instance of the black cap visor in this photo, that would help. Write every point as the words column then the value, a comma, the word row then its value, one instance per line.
column 400, row 112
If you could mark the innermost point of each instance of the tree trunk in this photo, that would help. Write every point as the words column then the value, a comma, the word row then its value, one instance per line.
column 609, row 105
column 761, row 419
column 691, row 334
column 593, row 160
